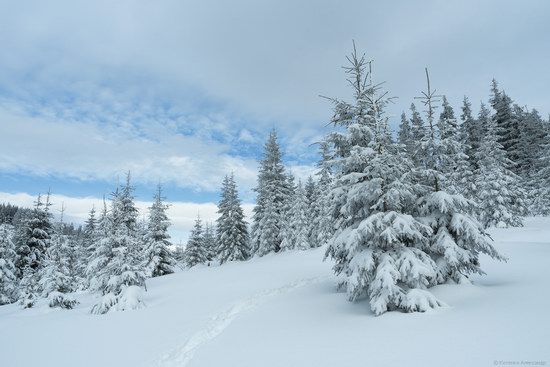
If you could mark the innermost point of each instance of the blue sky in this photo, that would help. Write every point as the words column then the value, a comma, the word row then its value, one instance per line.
column 186, row 91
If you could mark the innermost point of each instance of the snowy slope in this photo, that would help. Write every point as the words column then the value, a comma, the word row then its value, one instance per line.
column 283, row 310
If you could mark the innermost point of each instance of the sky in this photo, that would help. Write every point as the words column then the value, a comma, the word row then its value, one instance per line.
column 183, row 92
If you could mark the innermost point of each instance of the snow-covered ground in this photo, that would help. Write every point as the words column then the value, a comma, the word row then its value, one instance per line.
column 283, row 310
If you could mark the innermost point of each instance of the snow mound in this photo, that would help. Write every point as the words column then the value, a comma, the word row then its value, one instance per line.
column 419, row 300
column 131, row 298
column 62, row 300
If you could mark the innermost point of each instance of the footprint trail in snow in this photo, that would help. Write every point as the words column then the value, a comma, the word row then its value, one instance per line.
column 182, row 355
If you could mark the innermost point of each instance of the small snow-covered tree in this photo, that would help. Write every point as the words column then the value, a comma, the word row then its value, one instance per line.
column 100, row 252
column 209, row 242
column 419, row 135
column 196, row 252
column 322, row 225
column 122, row 280
column 56, row 281
column 300, row 221
column 88, row 242
column 404, row 136
column 8, row 279
column 157, row 255
column 31, row 254
column 232, row 232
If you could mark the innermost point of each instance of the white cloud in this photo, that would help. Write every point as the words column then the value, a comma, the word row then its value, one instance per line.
column 238, row 52
column 84, row 150
column 181, row 214
column 246, row 136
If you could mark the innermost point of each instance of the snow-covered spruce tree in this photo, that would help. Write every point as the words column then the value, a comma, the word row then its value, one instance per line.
column 378, row 245
column 56, row 281
column 232, row 232
column 88, row 243
column 471, row 133
column 31, row 254
column 499, row 195
column 100, row 252
column 458, row 237
column 530, row 149
column 453, row 162
column 312, row 196
column 8, row 280
column 75, row 252
column 309, row 188
column 322, row 224
column 270, row 225
column 418, row 134
column 404, row 136
column 209, row 242
column 541, row 203
column 195, row 252
column 122, row 280
column 272, row 193
column 285, row 223
column 157, row 255
column 300, row 221
column 508, row 130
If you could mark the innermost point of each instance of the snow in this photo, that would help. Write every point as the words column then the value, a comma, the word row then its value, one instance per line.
column 284, row 310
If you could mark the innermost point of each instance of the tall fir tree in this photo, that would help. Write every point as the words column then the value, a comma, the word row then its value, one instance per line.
column 232, row 231
column 378, row 245
column 272, row 194
column 507, row 124
column 471, row 133
column 530, row 149
column 158, row 257
column 499, row 195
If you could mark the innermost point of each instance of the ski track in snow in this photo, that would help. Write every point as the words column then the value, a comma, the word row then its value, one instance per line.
column 182, row 355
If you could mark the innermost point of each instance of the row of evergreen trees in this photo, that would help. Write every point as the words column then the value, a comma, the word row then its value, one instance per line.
column 114, row 252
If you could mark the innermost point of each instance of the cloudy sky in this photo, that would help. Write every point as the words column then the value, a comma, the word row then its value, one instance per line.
column 185, row 91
